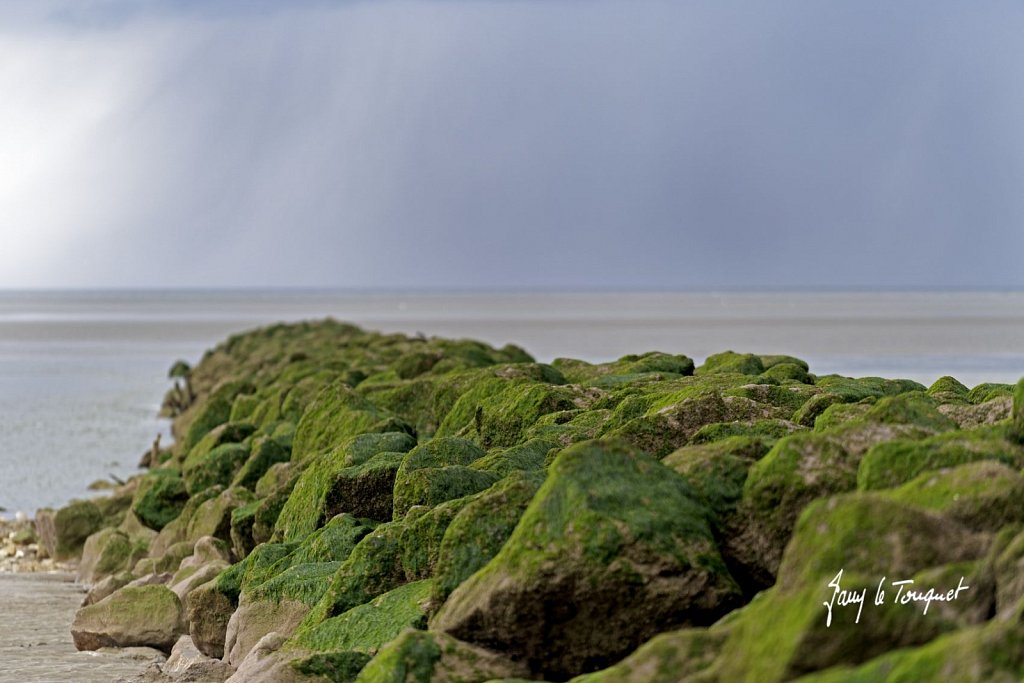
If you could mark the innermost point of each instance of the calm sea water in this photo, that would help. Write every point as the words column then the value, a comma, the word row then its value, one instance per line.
column 82, row 374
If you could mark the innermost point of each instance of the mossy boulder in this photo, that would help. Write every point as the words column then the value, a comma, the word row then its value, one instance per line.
column 717, row 471
column 498, row 413
column 363, row 629
column 216, row 468
column 159, row 498
column 265, row 453
column 63, row 533
column 149, row 616
column 529, row 456
column 613, row 548
column 109, row 551
column 213, row 517
column 373, row 568
column 732, row 362
column 357, row 477
column 990, row 652
column 208, row 413
column 985, row 495
column 797, row 470
column 430, row 486
column 432, row 657
column 336, row 415
column 896, row 462
column 869, row 538
column 480, row 529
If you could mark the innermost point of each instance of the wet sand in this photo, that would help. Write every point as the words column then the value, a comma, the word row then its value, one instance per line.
column 35, row 635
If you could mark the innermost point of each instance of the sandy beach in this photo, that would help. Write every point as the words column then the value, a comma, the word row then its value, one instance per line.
column 35, row 639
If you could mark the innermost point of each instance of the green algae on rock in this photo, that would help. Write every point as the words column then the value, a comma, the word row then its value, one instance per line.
column 614, row 547
column 370, row 486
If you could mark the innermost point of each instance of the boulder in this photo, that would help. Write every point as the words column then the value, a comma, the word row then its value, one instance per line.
column 63, row 533
column 208, row 611
column 106, row 552
column 614, row 548
column 355, row 477
column 437, row 657
column 187, row 663
column 134, row 615
column 159, row 498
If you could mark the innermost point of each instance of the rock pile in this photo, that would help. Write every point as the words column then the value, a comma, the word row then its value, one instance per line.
column 341, row 505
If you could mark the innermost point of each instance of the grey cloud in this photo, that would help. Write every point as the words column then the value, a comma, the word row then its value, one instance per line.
column 557, row 144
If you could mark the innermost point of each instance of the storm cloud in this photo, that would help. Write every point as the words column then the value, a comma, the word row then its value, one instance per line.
column 507, row 144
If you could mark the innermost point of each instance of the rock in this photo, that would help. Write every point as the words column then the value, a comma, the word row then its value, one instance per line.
column 255, row 619
column 263, row 665
column 356, row 477
column 1018, row 411
column 339, row 641
column 897, row 462
column 869, row 538
column 431, row 656
column 730, row 361
column 177, row 531
column 613, row 548
column 187, row 663
column 430, row 486
column 498, row 412
column 1008, row 566
column 243, row 520
column 146, row 615
column 182, row 585
column 159, row 498
column 213, row 517
column 667, row 658
column 266, row 452
column 984, row 653
column 984, row 496
column 63, row 533
column 155, row 579
column 107, row 552
column 373, row 568
column 337, row 414
column 208, row 611
column 216, row 468
column 969, row 416
column 105, row 587
column 169, row 561
column 480, row 529
column 210, row 412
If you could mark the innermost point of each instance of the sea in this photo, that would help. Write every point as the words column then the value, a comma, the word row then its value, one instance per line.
column 82, row 373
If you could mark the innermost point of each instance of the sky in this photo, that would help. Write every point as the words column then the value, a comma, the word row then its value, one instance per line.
column 511, row 144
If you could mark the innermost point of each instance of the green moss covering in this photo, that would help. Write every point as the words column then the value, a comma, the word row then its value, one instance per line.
column 985, row 495
column 216, row 468
column 373, row 568
column 366, row 628
column 896, row 462
column 527, row 457
column 336, row 415
column 431, row 486
column 357, row 478
column 1018, row 411
column 265, row 452
column 159, row 498
column 431, row 657
column 605, row 517
column 732, row 362
column 480, row 529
